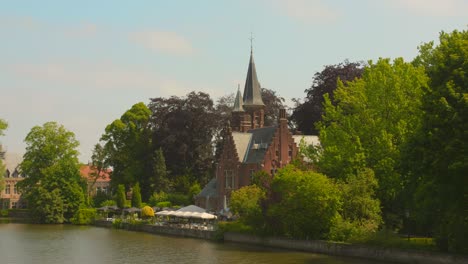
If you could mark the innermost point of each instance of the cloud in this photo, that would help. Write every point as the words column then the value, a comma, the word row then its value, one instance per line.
column 82, row 30
column 432, row 7
column 95, row 75
column 163, row 41
column 306, row 11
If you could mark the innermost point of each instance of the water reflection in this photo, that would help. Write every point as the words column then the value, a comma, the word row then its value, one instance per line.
column 24, row 243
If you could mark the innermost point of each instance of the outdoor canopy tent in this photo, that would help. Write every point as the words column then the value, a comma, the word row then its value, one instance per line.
column 190, row 211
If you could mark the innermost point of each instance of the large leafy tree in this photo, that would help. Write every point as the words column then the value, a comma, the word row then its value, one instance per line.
column 3, row 127
column 183, row 127
column 306, row 206
column 309, row 112
column 129, row 150
column 436, row 158
column 373, row 118
column 53, row 187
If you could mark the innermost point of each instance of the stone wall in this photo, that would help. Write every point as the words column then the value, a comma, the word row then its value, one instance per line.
column 348, row 250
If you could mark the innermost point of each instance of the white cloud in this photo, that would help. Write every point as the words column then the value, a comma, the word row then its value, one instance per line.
column 163, row 41
column 90, row 75
column 432, row 7
column 307, row 11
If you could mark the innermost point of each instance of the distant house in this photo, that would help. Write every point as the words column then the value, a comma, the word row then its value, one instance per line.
column 249, row 147
column 96, row 183
column 10, row 196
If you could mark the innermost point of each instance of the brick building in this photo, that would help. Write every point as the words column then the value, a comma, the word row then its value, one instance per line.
column 10, row 196
column 249, row 146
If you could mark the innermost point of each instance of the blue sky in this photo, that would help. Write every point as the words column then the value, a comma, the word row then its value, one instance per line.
column 84, row 63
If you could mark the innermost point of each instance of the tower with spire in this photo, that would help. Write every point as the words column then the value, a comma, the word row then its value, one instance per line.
column 248, row 112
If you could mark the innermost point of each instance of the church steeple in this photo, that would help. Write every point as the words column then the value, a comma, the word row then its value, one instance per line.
column 238, row 101
column 252, row 92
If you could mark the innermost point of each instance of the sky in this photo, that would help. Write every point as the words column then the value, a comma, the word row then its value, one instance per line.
column 84, row 63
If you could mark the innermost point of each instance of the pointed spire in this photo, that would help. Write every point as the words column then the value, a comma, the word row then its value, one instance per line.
column 238, row 101
column 252, row 90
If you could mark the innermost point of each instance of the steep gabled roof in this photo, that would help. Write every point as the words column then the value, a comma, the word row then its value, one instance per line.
column 259, row 143
column 241, row 141
column 209, row 190
column 252, row 92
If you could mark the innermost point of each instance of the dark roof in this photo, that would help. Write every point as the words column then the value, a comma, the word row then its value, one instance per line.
column 209, row 190
column 252, row 93
column 261, row 139
column 238, row 102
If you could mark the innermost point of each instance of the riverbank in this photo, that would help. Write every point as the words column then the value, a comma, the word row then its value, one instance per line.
column 161, row 230
column 313, row 246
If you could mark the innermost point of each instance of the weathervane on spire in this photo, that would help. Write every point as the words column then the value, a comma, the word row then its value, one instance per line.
column 251, row 41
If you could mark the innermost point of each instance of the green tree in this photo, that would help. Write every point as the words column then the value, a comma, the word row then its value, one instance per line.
column 128, row 148
column 306, row 114
column 53, row 189
column 3, row 127
column 371, row 120
column 136, row 196
column 435, row 160
column 360, row 213
column 245, row 202
column 121, row 197
column 194, row 190
column 307, row 203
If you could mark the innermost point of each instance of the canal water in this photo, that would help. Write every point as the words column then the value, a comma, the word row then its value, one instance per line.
column 63, row 244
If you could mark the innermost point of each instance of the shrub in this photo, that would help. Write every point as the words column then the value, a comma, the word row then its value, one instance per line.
column 178, row 199
column 136, row 196
column 107, row 203
column 84, row 217
column 147, row 212
column 157, row 198
column 121, row 199
column 4, row 213
column 164, row 204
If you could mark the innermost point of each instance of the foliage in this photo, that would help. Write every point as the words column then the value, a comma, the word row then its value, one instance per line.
column 306, row 114
column 121, row 197
column 107, row 203
column 84, row 217
column 3, row 127
column 53, row 189
column 164, row 204
column 4, row 213
column 273, row 103
column 435, row 159
column 245, row 202
column 178, row 199
column 100, row 198
column 360, row 215
column 183, row 128
column 193, row 191
column 136, row 196
column 308, row 204
column 99, row 166
column 233, row 226
column 147, row 212
column 130, row 152
column 373, row 118
column 158, row 197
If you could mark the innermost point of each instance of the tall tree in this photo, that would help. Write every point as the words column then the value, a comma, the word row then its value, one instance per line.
column 372, row 119
column 99, row 164
column 53, row 189
column 273, row 103
column 436, row 158
column 309, row 112
column 3, row 127
column 127, row 144
column 183, row 127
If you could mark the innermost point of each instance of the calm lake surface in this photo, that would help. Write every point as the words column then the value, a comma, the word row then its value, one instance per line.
column 31, row 244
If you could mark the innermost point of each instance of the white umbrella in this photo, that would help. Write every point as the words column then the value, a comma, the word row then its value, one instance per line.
column 163, row 212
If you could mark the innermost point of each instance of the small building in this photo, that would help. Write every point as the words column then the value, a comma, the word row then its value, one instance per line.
column 249, row 147
column 10, row 197
column 96, row 183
